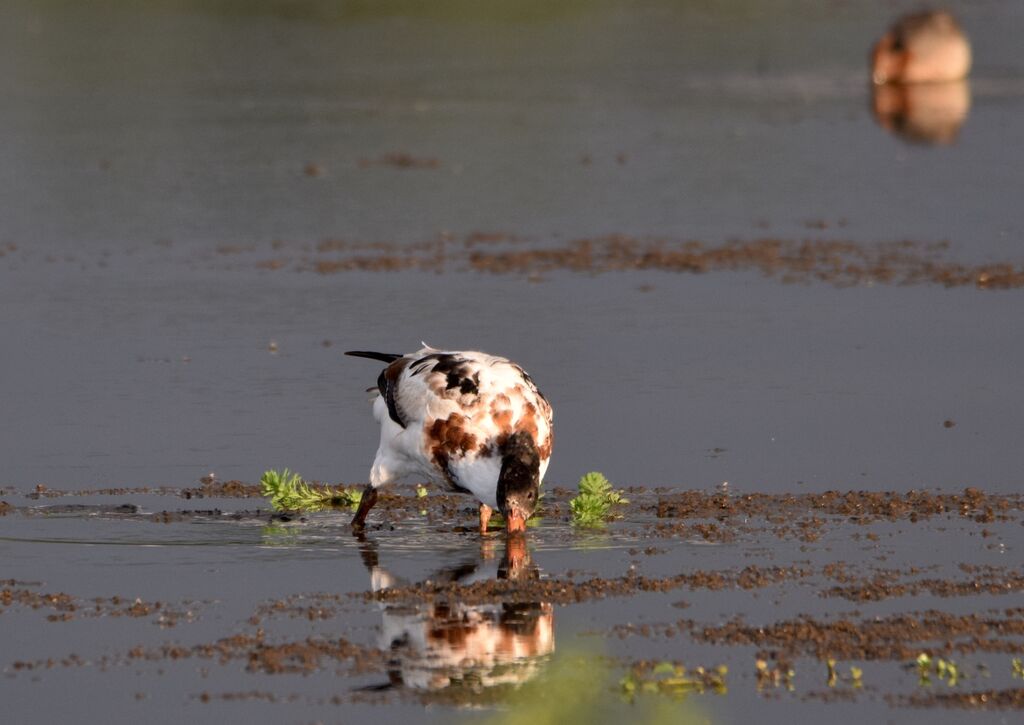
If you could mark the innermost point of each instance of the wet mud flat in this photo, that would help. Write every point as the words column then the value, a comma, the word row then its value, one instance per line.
column 905, row 604
column 824, row 253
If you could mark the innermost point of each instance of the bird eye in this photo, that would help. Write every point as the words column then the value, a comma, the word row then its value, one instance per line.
column 531, row 495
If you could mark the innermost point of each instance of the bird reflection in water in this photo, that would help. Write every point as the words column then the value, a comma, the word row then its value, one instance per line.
column 451, row 646
column 930, row 113
column 919, row 70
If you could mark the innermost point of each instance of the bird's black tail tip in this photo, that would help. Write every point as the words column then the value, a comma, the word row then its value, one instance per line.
column 387, row 357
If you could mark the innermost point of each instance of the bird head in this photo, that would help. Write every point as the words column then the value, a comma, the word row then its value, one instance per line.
column 519, row 480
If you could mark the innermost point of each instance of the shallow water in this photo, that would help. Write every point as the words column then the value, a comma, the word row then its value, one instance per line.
column 132, row 586
column 177, row 182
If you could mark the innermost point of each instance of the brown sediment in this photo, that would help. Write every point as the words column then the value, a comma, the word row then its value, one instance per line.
column 837, row 262
column 656, row 513
column 208, row 489
column 223, row 489
column 401, row 160
column 900, row 637
column 301, row 656
column 66, row 607
column 807, row 517
column 838, row 694
column 861, row 507
column 646, row 551
column 476, row 238
column 249, row 696
column 568, row 591
column 391, row 263
column 173, row 517
column 5, row 508
column 880, row 587
column 24, row 597
column 46, row 492
column 1008, row 699
column 312, row 607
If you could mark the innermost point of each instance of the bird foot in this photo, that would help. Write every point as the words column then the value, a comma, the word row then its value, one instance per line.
column 485, row 517
column 366, row 503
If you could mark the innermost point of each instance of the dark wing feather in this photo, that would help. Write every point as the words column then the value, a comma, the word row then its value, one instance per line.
column 387, row 384
column 387, row 381
column 387, row 357
column 458, row 372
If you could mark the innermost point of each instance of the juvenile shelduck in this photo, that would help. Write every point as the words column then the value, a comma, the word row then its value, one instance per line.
column 468, row 420
column 926, row 47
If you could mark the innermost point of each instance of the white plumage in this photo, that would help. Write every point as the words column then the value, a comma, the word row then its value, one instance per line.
column 459, row 418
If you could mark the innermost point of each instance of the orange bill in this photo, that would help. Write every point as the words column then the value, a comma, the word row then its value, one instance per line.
column 515, row 523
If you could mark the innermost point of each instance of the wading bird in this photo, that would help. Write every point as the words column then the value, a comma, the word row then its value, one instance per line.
column 926, row 47
column 473, row 422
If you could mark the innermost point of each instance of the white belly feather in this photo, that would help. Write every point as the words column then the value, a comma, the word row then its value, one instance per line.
column 448, row 437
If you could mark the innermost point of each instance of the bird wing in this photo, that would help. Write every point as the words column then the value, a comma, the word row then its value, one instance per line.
column 469, row 400
column 456, row 407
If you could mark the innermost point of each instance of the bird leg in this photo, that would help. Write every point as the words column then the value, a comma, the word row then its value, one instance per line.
column 365, row 504
column 485, row 517
column 487, row 549
column 368, row 553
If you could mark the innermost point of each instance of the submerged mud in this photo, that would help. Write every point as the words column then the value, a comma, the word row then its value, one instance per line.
column 258, row 655
column 900, row 637
column 569, row 591
column 838, row 260
column 64, row 607
column 861, row 507
column 1008, row 699
column 483, row 623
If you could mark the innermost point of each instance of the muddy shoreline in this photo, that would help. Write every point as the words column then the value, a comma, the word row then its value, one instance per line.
column 776, row 645
column 837, row 261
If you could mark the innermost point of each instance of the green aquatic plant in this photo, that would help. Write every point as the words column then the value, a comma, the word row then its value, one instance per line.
column 591, row 506
column 780, row 675
column 578, row 689
column 856, row 677
column 276, row 535
column 945, row 670
column 1017, row 668
column 288, row 492
column 673, row 680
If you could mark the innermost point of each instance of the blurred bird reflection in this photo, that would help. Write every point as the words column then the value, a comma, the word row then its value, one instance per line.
column 448, row 645
column 930, row 113
column 919, row 69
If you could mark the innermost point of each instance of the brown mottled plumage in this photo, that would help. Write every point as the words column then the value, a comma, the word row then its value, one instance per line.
column 472, row 421
column 926, row 47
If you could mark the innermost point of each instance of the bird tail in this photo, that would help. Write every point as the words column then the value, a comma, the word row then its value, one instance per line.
column 387, row 357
